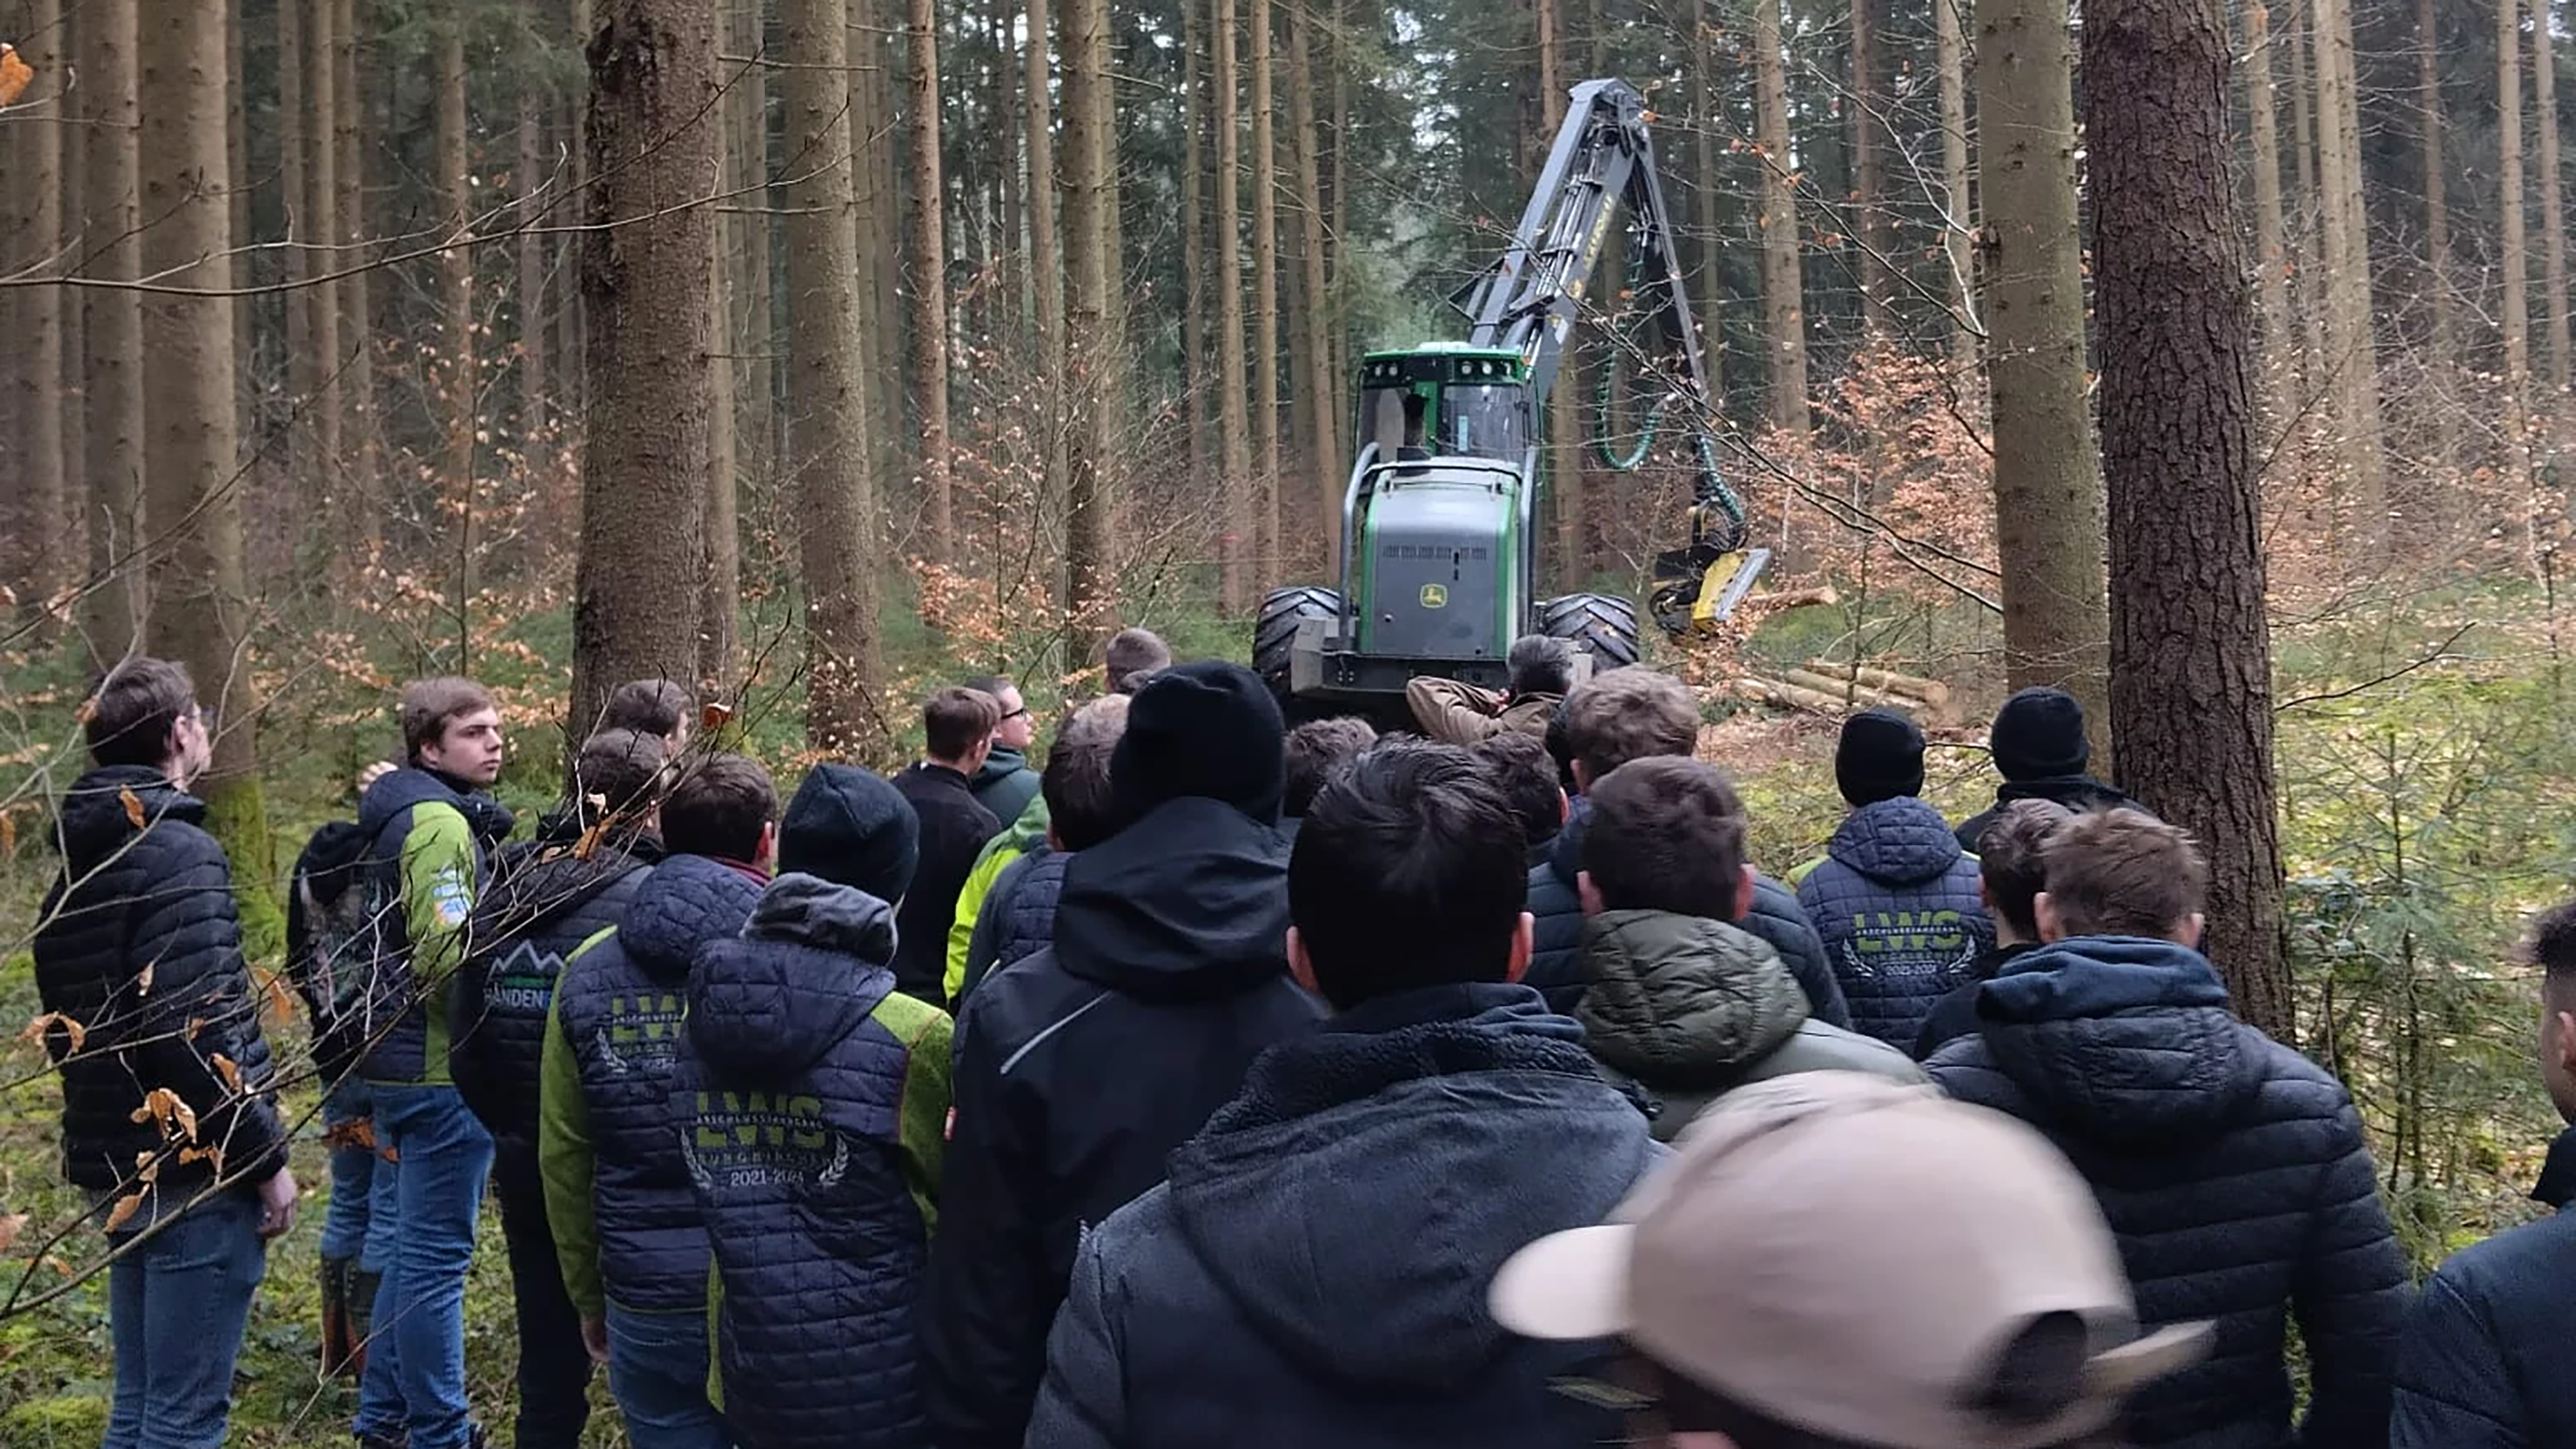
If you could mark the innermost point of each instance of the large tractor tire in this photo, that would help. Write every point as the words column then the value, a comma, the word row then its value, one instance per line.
column 1604, row 625
column 1282, row 610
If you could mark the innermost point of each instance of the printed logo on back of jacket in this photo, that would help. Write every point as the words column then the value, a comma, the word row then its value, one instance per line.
column 524, row 980
column 762, row 1139
column 642, row 1032
column 1907, row 943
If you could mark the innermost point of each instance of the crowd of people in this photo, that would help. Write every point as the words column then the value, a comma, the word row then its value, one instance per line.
column 1224, row 1083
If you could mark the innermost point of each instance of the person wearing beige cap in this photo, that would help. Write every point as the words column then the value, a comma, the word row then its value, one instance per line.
column 1821, row 1267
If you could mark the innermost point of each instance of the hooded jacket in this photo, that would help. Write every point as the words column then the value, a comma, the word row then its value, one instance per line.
column 2232, row 1170
column 137, row 942
column 1683, row 1010
column 1895, row 902
column 954, row 829
column 1023, row 836
column 428, row 856
column 1005, row 784
column 1955, row 1015
column 1315, row 1271
column 544, row 902
column 2078, row 793
column 1081, row 1068
column 1556, row 963
column 617, row 1187
column 809, row 1098
column 2483, row 1363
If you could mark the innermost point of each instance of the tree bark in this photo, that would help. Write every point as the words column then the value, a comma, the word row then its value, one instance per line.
column 1046, row 270
column 2553, row 216
column 36, row 344
column 1959, row 225
column 1314, row 369
column 1265, row 299
column 645, row 293
column 2445, row 341
column 2271, row 256
column 1869, row 184
column 747, row 254
column 2191, row 655
column 2048, row 498
column 930, row 284
column 200, row 614
column 456, row 307
column 1784, row 311
column 360, row 445
column 1233, row 425
column 112, row 330
column 237, row 189
column 2513, row 259
column 827, row 397
column 1564, row 408
column 535, row 444
column 1091, row 337
column 720, row 567
column 2349, row 340
column 1195, row 398
column 303, row 500
column 2308, row 294
column 1710, row 285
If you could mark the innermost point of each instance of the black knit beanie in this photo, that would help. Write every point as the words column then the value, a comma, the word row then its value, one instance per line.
column 851, row 828
column 2039, row 735
column 1879, row 757
column 1208, row 729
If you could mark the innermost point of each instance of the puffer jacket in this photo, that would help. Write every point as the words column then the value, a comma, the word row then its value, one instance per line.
column 617, row 1187
column 810, row 1098
column 1895, row 902
column 1023, row 836
column 2483, row 1361
column 540, row 908
column 2078, row 793
column 1313, row 1273
column 1683, row 1010
column 1556, row 964
column 1080, row 1069
column 139, row 965
column 1018, row 920
column 429, row 855
column 2232, row 1170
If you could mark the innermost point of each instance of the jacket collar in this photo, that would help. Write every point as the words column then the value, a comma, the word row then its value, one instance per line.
column 2557, row 1185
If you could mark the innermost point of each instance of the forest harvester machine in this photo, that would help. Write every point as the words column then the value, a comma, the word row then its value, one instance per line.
column 1439, row 555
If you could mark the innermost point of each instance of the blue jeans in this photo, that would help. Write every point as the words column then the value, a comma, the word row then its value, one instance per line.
column 428, row 1189
column 657, row 1372
column 344, row 1220
column 176, row 1306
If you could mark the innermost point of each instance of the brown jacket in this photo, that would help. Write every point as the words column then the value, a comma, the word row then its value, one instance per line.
column 1462, row 714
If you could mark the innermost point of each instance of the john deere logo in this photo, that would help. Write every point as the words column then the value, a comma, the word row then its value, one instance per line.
column 1435, row 596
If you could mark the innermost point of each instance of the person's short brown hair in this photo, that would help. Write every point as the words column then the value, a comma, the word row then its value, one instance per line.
column 1075, row 781
column 2012, row 856
column 134, row 707
column 429, row 705
column 2550, row 944
column 1666, row 834
column 2124, row 873
column 1134, row 656
column 1629, row 714
column 955, row 720
column 648, row 707
column 718, row 808
column 1523, row 771
column 617, row 772
column 1313, row 750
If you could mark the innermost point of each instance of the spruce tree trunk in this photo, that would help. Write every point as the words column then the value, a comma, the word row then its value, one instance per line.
column 2048, row 498
column 1784, row 310
column 456, row 307
column 1091, row 338
column 2190, row 649
column 1046, row 270
column 1265, row 302
column 720, row 567
column 1710, row 285
column 930, row 286
column 1314, row 368
column 534, row 444
column 361, row 500
column 2271, row 259
column 755, row 369
column 327, row 411
column 1959, row 227
column 2553, row 217
column 36, row 341
column 200, row 614
column 2513, row 259
column 2308, row 295
column 296, row 264
column 1236, row 525
column 1195, row 391
column 828, row 420
column 1869, row 183
column 2348, row 327
column 2445, row 340
column 645, row 293
column 112, row 615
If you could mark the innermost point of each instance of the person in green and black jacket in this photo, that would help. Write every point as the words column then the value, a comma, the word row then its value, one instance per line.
column 431, row 826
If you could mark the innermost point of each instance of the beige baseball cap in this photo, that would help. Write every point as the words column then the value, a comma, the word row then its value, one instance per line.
column 1853, row 1257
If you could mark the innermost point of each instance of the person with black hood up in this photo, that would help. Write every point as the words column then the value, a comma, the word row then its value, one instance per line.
column 1082, row 1067
column 139, row 967
column 2039, row 748
column 2010, row 875
column 2233, row 1170
column 1315, row 1270
column 1636, row 714
column 1894, row 898
column 617, row 1186
column 810, row 1100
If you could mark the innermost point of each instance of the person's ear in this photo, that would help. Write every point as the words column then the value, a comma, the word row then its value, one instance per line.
column 1743, row 895
column 2044, row 911
column 1588, row 893
column 1054, row 841
column 767, row 859
column 1564, row 808
column 1985, row 893
column 2192, row 930
column 2565, row 1045
column 1582, row 777
column 1524, row 946
column 1301, row 967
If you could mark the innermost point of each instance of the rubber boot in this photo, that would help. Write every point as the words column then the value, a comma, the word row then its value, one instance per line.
column 343, row 1345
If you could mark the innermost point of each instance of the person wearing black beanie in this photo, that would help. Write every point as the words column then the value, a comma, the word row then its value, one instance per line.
column 2039, row 747
column 1894, row 897
column 1080, row 1068
column 851, row 828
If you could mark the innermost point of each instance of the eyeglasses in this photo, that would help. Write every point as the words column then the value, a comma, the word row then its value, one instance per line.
column 1021, row 713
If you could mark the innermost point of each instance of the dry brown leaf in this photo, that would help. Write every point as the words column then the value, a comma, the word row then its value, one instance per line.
column 11, row 1225
column 360, row 1133
column 713, row 716
column 15, row 73
column 36, row 1030
column 61, row 1269
column 8, row 832
column 213, row 1155
column 281, row 1005
column 196, row 1024
column 126, row 1207
column 170, row 1110
column 133, row 805
column 143, row 982
column 147, row 1167
column 225, row 1069
column 88, row 711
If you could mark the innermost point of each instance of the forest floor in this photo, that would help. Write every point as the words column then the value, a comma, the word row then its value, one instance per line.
column 2423, row 814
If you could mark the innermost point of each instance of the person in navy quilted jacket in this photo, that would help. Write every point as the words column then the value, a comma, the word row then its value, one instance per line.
column 1894, row 898
column 2232, row 1169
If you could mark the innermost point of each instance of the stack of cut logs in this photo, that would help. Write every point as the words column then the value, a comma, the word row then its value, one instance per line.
column 1828, row 686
